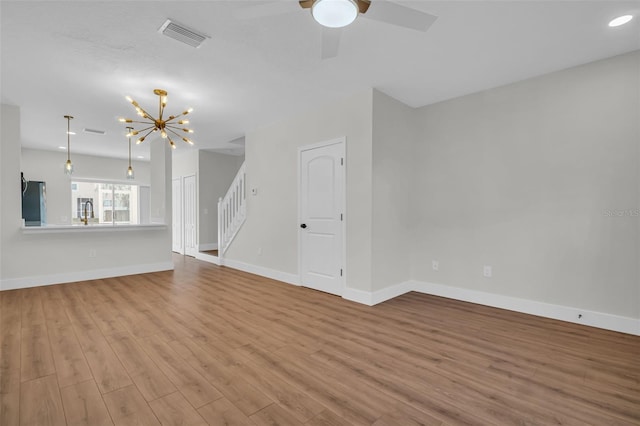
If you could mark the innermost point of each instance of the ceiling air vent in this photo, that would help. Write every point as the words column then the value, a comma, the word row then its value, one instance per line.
column 94, row 131
column 181, row 33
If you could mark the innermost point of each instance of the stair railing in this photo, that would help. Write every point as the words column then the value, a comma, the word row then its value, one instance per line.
column 232, row 211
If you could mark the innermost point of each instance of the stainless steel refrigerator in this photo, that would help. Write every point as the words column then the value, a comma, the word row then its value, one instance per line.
column 34, row 203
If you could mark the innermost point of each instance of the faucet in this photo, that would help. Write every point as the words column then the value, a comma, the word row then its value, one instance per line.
column 86, row 220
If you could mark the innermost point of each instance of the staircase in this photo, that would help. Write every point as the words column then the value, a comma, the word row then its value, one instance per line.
column 232, row 212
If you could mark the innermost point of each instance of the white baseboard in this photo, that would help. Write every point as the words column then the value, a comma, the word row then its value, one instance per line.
column 373, row 298
column 209, row 258
column 208, row 246
column 541, row 309
column 391, row 292
column 358, row 296
column 94, row 274
column 547, row 310
column 262, row 271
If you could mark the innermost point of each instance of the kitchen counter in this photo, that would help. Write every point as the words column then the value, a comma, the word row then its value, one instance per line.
column 91, row 228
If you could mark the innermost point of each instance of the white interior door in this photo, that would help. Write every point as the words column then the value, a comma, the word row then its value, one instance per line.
column 321, row 216
column 189, row 210
column 176, row 213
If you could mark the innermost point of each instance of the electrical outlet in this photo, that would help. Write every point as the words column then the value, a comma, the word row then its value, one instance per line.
column 205, row 211
column 254, row 191
column 435, row 265
column 487, row 272
column 92, row 252
column 259, row 251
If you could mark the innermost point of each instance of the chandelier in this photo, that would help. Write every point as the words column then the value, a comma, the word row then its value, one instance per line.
column 163, row 125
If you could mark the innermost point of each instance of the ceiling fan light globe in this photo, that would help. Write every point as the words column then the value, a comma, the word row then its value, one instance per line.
column 620, row 20
column 334, row 13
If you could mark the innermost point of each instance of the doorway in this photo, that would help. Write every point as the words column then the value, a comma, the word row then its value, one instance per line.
column 189, row 197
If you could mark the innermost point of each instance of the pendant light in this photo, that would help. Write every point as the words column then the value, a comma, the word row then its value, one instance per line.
column 130, row 174
column 68, row 167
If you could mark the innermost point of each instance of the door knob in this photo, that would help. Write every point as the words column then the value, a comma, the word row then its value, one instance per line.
column 303, row 226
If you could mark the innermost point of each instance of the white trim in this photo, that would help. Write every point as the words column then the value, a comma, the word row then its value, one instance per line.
column 358, row 296
column 191, row 251
column 541, row 309
column 209, row 258
column 262, row 271
column 373, row 298
column 75, row 229
column 547, row 310
column 94, row 274
column 388, row 293
column 342, row 140
column 208, row 246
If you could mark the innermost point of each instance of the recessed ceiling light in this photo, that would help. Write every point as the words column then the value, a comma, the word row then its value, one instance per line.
column 620, row 20
column 94, row 131
column 62, row 147
column 140, row 156
column 71, row 133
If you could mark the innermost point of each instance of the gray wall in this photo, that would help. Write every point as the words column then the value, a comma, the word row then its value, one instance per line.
column 538, row 179
column 394, row 136
column 530, row 178
column 272, row 168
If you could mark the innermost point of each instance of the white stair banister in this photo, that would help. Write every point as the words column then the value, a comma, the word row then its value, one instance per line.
column 232, row 211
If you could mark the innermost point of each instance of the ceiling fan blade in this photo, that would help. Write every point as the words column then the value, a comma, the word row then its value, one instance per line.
column 330, row 42
column 264, row 10
column 402, row 16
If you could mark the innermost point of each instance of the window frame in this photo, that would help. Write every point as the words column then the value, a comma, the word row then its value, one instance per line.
column 113, row 184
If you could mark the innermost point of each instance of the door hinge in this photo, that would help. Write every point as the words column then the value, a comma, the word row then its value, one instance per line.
column 341, row 217
column 340, row 272
column 342, row 161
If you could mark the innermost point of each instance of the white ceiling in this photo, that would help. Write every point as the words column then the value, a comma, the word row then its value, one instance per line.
column 82, row 58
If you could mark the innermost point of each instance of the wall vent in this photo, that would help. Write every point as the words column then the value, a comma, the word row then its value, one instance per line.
column 181, row 33
column 94, row 131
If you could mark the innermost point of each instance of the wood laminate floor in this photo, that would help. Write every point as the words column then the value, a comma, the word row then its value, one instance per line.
column 209, row 345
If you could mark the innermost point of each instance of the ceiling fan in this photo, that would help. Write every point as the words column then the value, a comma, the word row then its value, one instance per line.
column 334, row 15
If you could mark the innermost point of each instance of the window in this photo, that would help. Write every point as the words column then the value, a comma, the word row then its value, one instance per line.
column 114, row 203
column 80, row 207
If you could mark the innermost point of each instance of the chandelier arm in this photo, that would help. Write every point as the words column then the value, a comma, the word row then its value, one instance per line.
column 145, row 129
column 177, row 116
column 144, row 137
column 141, row 122
column 175, row 133
column 146, row 114
column 176, row 127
